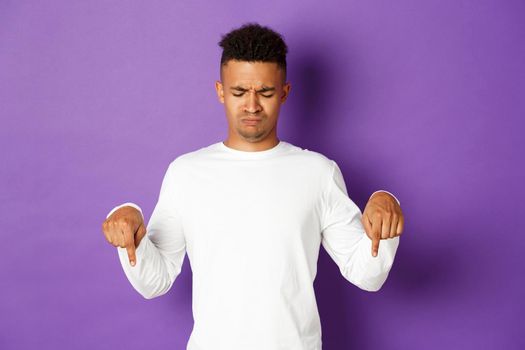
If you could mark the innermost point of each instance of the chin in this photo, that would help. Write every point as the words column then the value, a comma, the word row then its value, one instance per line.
column 253, row 137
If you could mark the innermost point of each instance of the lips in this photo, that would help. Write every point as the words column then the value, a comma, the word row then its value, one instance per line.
column 251, row 121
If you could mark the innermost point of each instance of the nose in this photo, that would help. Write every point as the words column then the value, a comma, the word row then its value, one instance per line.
column 252, row 105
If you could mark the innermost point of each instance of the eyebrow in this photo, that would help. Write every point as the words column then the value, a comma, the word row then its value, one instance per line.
column 264, row 89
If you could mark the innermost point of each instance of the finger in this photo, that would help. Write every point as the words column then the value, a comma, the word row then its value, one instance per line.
column 122, row 238
column 400, row 225
column 367, row 225
column 129, row 243
column 376, row 235
column 141, row 231
column 131, row 254
column 393, row 226
column 385, row 227
column 105, row 231
column 113, row 234
column 375, row 245
column 130, row 248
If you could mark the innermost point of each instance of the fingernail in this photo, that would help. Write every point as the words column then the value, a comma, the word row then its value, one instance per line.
column 132, row 263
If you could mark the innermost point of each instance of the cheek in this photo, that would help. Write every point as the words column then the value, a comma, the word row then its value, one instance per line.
column 271, row 107
column 232, row 104
column 233, row 111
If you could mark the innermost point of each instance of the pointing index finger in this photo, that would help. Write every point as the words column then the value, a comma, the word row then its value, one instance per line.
column 131, row 254
column 375, row 246
column 376, row 234
column 130, row 246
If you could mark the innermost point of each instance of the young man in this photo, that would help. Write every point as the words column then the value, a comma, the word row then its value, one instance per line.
column 252, row 213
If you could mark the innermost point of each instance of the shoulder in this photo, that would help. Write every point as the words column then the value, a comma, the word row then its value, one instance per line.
column 313, row 159
column 196, row 155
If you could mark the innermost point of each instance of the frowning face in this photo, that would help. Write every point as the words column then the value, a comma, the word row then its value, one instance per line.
column 252, row 94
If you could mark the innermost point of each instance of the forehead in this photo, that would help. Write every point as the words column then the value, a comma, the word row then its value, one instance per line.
column 250, row 73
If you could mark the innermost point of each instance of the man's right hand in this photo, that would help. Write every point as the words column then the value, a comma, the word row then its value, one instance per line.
column 125, row 228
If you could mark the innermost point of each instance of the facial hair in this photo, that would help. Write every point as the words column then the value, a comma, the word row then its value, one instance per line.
column 251, row 135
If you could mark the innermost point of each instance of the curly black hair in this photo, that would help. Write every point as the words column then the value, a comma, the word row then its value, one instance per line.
column 252, row 42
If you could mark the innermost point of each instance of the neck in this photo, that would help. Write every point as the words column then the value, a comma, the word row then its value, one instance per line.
column 247, row 146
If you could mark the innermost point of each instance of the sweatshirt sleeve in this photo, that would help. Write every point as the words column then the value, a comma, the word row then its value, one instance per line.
column 345, row 240
column 161, row 252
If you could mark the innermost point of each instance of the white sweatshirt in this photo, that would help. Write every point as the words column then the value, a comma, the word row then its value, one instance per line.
column 252, row 224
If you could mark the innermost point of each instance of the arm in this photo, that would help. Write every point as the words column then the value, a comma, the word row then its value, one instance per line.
column 345, row 240
column 160, row 253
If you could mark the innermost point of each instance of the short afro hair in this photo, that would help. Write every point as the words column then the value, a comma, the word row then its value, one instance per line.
column 252, row 42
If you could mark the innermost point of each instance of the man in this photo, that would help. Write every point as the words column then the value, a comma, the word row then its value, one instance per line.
column 252, row 212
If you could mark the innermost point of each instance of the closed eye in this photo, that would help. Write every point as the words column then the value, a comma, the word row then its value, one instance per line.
column 239, row 95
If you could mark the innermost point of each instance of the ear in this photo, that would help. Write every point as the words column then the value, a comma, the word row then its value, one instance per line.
column 220, row 91
column 286, row 90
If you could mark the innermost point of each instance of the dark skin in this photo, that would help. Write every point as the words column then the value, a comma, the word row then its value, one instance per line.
column 252, row 94
column 252, row 90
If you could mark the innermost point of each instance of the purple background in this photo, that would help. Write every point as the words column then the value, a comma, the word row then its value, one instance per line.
column 424, row 99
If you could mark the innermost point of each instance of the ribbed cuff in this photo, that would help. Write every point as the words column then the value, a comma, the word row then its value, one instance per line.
column 398, row 202
column 123, row 205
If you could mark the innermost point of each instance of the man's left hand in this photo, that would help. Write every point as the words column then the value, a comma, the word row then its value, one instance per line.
column 382, row 219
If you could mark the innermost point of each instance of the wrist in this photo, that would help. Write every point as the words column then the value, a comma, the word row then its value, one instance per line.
column 383, row 192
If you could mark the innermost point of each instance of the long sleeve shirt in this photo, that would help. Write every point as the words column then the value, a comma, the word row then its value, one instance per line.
column 252, row 224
